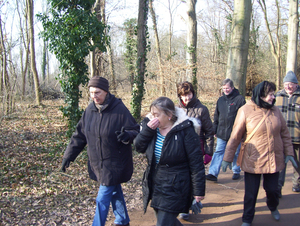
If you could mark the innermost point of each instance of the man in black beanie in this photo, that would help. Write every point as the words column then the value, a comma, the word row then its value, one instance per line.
column 108, row 128
column 288, row 101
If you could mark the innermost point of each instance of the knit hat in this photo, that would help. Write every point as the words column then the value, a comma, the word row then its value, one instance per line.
column 99, row 82
column 290, row 77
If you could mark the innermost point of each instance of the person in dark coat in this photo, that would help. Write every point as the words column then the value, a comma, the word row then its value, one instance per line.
column 194, row 108
column 225, row 113
column 108, row 128
column 175, row 172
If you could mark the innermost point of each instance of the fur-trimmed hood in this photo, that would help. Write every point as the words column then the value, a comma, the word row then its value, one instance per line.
column 181, row 116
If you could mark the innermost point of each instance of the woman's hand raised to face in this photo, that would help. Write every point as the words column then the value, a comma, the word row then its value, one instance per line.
column 153, row 123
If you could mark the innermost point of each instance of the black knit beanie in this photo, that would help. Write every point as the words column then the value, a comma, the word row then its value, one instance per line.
column 99, row 82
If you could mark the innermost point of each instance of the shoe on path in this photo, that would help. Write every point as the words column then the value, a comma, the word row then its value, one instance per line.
column 211, row 177
column 246, row 224
column 295, row 189
column 184, row 216
column 276, row 215
column 236, row 176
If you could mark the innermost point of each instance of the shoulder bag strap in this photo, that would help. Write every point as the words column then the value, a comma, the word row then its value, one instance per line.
column 258, row 125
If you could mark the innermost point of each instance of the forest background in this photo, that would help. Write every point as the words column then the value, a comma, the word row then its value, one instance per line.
column 32, row 123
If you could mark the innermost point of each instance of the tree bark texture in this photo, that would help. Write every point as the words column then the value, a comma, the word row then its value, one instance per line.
column 170, row 29
column 111, row 68
column 191, row 52
column 138, row 87
column 4, row 76
column 158, row 51
column 93, row 64
column 275, row 48
column 291, row 59
column 32, row 52
column 238, row 51
column 97, row 64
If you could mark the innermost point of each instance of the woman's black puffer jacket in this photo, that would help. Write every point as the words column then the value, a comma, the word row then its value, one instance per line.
column 179, row 174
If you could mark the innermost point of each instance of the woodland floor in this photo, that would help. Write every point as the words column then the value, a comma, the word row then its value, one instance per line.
column 34, row 192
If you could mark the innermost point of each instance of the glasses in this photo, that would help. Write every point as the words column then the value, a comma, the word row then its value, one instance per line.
column 289, row 84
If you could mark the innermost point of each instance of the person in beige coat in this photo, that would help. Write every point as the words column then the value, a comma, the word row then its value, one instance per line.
column 263, row 151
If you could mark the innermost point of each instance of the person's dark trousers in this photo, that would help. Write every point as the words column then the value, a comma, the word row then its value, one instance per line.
column 166, row 218
column 296, row 178
column 252, row 183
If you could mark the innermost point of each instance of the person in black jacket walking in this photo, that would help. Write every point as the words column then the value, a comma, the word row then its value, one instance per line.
column 225, row 113
column 194, row 108
column 175, row 172
column 108, row 128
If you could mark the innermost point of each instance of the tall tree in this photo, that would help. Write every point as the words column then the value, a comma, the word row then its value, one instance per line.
column 4, row 76
column 291, row 58
column 24, row 36
column 142, row 48
column 158, row 51
column 275, row 44
column 44, row 60
column 130, row 45
column 239, row 44
column 191, row 53
column 97, row 65
column 69, row 30
column 30, row 11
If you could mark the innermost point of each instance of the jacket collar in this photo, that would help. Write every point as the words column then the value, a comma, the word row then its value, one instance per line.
column 284, row 93
column 235, row 92
column 110, row 103
column 190, row 104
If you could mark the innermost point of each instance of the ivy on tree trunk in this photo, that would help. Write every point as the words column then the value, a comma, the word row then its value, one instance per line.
column 72, row 31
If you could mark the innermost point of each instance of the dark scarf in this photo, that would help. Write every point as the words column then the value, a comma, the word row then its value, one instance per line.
column 257, row 93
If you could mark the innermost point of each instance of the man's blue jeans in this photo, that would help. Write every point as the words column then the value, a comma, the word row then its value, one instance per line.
column 217, row 159
column 113, row 194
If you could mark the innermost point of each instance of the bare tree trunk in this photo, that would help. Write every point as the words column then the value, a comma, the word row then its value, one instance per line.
column 275, row 49
column 191, row 56
column 238, row 51
column 158, row 51
column 1, row 71
column 111, row 68
column 4, row 76
column 291, row 61
column 44, row 61
column 97, row 64
column 32, row 52
column 170, row 29
column 25, row 42
column 109, row 50
column 138, row 87
column 26, row 46
column 93, row 64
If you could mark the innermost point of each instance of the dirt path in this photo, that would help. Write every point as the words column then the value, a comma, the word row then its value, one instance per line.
column 223, row 206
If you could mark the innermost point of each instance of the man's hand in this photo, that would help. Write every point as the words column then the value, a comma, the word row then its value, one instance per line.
column 65, row 164
column 122, row 136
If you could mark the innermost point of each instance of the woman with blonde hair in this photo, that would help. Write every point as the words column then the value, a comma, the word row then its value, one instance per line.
column 175, row 172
